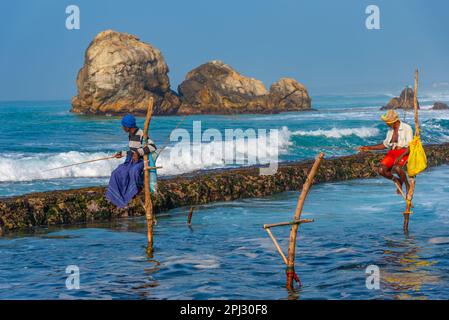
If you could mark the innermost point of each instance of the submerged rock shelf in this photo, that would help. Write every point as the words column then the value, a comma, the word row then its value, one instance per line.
column 89, row 204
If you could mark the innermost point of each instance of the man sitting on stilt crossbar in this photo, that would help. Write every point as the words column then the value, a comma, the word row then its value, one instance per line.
column 127, row 179
column 398, row 139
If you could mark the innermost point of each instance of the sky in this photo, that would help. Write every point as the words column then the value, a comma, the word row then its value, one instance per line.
column 324, row 44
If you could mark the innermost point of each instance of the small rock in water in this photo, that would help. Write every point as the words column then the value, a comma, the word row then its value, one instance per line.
column 440, row 106
column 404, row 101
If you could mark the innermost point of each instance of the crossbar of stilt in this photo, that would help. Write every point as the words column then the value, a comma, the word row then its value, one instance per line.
column 288, row 223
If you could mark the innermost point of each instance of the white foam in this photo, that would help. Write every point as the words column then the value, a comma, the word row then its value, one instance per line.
column 344, row 250
column 27, row 168
column 337, row 133
column 19, row 167
column 204, row 262
column 204, row 156
column 435, row 96
column 439, row 240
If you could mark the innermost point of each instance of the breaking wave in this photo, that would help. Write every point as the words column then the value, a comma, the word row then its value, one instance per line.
column 218, row 154
column 16, row 167
column 177, row 159
column 337, row 133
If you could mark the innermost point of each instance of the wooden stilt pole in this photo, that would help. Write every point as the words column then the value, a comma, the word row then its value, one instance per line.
column 294, row 229
column 417, row 133
column 189, row 217
column 148, row 202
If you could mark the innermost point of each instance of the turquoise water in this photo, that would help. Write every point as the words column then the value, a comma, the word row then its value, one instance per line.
column 226, row 254
column 37, row 136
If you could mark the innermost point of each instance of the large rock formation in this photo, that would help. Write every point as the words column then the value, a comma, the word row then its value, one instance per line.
column 215, row 87
column 289, row 95
column 120, row 74
column 440, row 106
column 404, row 101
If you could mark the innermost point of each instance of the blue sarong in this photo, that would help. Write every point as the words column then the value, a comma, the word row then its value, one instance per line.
column 126, row 181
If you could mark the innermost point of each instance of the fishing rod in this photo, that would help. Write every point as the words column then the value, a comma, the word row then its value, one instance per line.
column 76, row 164
column 169, row 136
column 89, row 161
column 113, row 157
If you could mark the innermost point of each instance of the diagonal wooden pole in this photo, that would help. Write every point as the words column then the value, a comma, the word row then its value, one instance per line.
column 276, row 244
column 411, row 192
column 294, row 229
column 148, row 202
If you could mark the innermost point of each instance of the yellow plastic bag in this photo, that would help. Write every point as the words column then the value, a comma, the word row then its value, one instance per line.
column 417, row 161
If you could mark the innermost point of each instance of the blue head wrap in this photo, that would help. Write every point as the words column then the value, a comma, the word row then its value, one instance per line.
column 129, row 121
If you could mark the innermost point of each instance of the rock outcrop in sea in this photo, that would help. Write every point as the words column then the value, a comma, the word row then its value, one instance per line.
column 215, row 87
column 404, row 101
column 287, row 94
column 440, row 106
column 120, row 74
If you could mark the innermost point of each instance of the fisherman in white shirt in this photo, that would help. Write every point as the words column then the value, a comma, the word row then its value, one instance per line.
column 398, row 139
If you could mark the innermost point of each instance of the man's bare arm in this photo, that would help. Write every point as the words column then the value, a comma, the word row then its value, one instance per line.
column 379, row 146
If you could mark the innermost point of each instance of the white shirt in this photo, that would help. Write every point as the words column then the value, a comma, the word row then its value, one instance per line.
column 405, row 136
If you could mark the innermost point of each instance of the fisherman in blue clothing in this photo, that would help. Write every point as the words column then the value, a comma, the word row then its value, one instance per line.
column 127, row 179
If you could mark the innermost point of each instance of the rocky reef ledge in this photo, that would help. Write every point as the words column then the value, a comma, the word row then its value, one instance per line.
column 89, row 204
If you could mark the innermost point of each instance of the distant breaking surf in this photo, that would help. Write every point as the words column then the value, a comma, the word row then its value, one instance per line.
column 364, row 132
column 21, row 168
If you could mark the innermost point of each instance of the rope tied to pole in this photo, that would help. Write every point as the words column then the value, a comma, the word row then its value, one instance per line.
column 290, row 272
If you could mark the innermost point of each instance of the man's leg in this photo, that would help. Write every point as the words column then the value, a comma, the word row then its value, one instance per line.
column 402, row 176
column 388, row 173
column 136, row 174
column 384, row 171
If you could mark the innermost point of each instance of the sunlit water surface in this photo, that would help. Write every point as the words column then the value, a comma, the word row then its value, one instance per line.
column 226, row 254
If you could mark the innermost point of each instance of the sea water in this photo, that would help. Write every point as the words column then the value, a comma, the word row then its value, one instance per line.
column 226, row 254
column 37, row 136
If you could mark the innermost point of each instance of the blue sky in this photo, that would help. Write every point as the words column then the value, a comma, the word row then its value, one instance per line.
column 322, row 43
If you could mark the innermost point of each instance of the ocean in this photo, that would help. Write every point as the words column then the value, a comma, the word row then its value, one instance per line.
column 37, row 136
column 226, row 254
